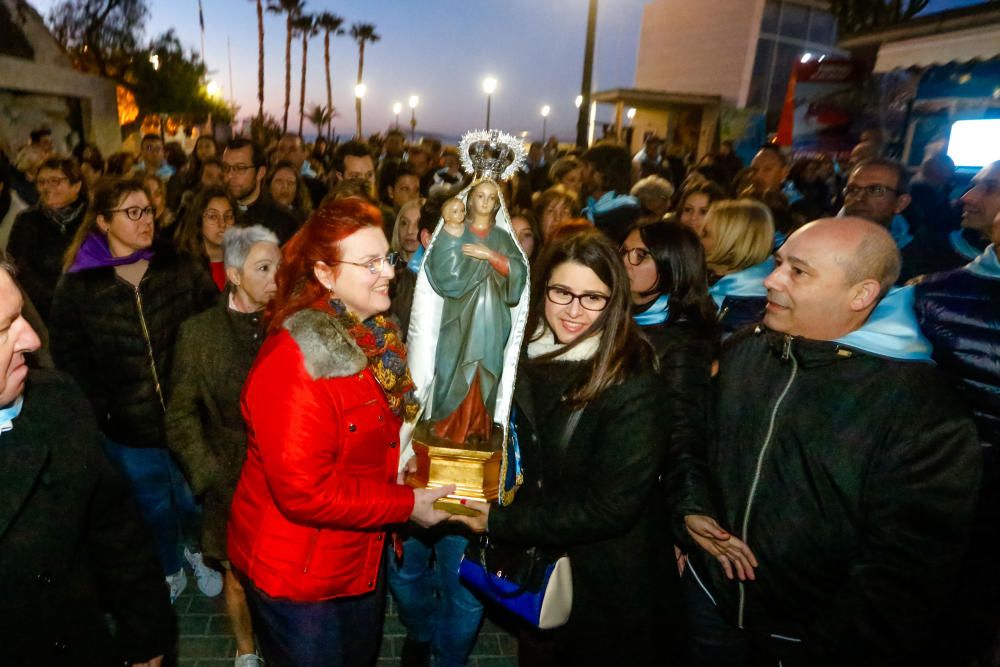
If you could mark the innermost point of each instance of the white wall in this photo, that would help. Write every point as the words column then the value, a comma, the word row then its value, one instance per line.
column 699, row 46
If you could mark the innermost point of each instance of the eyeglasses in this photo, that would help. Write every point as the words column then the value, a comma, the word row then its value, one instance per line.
column 217, row 218
column 873, row 191
column 376, row 265
column 238, row 168
column 589, row 301
column 134, row 213
column 635, row 256
column 52, row 180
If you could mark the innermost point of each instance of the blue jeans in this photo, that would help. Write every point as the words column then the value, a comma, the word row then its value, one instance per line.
column 434, row 605
column 162, row 494
column 343, row 632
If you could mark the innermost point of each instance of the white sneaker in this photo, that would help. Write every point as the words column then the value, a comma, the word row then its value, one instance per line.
column 248, row 660
column 177, row 582
column 209, row 580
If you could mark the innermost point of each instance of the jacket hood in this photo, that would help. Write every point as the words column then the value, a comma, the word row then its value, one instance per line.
column 748, row 282
column 891, row 330
column 986, row 265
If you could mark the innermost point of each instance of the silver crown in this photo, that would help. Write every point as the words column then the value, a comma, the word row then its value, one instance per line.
column 491, row 154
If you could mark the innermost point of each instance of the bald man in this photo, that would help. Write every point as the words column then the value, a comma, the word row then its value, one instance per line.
column 840, row 479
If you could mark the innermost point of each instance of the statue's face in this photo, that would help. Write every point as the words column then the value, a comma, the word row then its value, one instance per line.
column 454, row 211
column 484, row 199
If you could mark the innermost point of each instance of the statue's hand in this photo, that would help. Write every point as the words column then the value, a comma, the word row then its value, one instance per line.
column 456, row 229
column 477, row 250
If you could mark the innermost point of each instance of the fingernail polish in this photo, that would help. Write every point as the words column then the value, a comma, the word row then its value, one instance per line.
column 461, row 501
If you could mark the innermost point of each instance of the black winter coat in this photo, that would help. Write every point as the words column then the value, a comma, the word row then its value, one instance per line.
column 853, row 479
column 271, row 216
column 205, row 428
column 117, row 341
column 73, row 545
column 600, row 502
column 37, row 244
column 959, row 312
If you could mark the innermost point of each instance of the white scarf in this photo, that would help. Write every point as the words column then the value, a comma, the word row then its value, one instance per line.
column 547, row 343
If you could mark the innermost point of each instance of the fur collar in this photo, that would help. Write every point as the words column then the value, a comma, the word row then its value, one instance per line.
column 546, row 343
column 327, row 349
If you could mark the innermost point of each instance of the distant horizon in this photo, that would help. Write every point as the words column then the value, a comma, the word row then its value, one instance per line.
column 439, row 51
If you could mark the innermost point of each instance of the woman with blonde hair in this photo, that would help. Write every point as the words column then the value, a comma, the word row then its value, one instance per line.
column 406, row 231
column 553, row 207
column 738, row 237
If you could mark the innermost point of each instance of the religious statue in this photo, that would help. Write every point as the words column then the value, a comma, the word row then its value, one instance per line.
column 467, row 323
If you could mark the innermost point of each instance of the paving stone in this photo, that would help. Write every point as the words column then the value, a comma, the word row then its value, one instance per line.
column 206, row 647
column 192, row 624
column 510, row 661
column 219, row 625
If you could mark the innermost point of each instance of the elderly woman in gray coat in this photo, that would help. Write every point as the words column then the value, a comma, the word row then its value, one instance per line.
column 205, row 428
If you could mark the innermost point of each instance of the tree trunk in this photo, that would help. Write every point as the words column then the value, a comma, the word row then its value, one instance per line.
column 302, row 94
column 260, row 61
column 329, row 90
column 288, row 73
column 361, row 67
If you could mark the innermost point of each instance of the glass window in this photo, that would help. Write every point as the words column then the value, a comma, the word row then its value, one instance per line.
column 794, row 21
column 761, row 73
column 769, row 23
column 785, row 58
column 822, row 28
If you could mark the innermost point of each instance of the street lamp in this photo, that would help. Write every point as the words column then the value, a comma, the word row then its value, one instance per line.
column 154, row 60
column 631, row 114
column 396, row 108
column 359, row 92
column 414, row 100
column 489, row 85
column 578, row 101
column 545, row 117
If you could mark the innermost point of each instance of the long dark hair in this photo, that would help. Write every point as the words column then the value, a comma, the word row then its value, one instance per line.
column 623, row 350
column 680, row 269
column 189, row 236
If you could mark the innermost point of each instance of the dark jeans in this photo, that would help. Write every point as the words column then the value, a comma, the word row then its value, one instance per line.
column 163, row 496
column 343, row 632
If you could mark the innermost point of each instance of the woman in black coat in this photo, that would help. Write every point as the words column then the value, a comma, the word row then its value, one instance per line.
column 115, row 316
column 665, row 262
column 596, row 495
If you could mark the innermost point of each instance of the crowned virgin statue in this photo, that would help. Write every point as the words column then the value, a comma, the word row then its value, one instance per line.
column 466, row 327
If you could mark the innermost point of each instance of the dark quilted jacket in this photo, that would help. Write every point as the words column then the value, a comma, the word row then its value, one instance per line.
column 959, row 312
column 117, row 341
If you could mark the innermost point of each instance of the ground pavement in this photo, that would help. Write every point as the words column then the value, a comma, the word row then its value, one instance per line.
column 206, row 640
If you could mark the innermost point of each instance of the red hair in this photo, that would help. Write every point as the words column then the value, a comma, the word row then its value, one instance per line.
column 317, row 241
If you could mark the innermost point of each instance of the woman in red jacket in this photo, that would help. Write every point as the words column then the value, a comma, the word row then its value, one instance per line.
column 323, row 404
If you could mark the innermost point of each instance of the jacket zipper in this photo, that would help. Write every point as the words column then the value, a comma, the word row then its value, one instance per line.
column 149, row 348
column 786, row 354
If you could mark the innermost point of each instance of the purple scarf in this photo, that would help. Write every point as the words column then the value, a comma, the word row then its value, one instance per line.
column 94, row 253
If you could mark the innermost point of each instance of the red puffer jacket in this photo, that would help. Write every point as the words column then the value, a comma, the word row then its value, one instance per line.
column 319, row 483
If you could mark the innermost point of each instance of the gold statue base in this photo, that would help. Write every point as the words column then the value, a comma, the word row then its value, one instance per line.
column 474, row 469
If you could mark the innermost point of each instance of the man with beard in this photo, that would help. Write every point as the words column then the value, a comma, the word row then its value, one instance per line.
column 243, row 168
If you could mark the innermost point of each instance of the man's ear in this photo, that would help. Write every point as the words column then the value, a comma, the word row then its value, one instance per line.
column 902, row 201
column 864, row 295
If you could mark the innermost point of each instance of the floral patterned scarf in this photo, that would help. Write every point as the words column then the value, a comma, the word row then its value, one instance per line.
column 378, row 337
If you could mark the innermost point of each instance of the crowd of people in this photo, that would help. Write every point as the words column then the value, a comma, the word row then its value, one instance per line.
column 756, row 405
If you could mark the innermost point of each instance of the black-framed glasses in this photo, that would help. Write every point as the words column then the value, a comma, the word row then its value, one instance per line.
column 375, row 265
column 217, row 218
column 561, row 296
column 238, row 168
column 874, row 191
column 635, row 256
column 134, row 213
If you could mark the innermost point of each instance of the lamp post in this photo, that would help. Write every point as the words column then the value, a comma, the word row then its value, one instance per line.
column 359, row 93
column 588, row 70
column 414, row 101
column 489, row 85
column 545, row 117
column 396, row 108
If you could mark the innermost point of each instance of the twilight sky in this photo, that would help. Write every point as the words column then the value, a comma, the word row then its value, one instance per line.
column 437, row 49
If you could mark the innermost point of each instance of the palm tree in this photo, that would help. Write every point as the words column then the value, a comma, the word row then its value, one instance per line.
column 260, row 58
column 291, row 9
column 320, row 116
column 362, row 32
column 305, row 25
column 329, row 23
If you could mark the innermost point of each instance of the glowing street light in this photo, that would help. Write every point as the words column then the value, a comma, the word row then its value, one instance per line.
column 578, row 101
column 414, row 101
column 489, row 86
column 545, row 117
column 360, row 90
column 213, row 89
column 154, row 60
column 396, row 108
column 631, row 113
